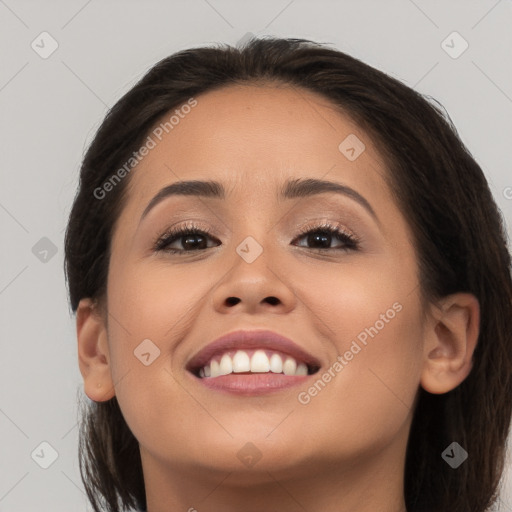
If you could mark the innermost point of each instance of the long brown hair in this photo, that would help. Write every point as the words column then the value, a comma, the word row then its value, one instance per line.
column 459, row 237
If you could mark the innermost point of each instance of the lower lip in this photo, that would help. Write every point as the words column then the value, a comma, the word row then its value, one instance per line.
column 252, row 384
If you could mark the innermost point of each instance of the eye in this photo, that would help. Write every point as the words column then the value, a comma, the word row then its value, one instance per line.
column 323, row 235
column 189, row 237
column 192, row 238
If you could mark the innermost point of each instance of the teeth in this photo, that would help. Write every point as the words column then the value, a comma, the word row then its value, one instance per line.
column 289, row 366
column 214, row 369
column 226, row 365
column 302, row 369
column 276, row 363
column 258, row 363
column 241, row 362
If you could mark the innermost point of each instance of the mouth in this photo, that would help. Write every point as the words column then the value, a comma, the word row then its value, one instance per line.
column 252, row 362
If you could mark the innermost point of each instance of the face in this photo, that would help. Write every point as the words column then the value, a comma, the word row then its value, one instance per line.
column 352, row 301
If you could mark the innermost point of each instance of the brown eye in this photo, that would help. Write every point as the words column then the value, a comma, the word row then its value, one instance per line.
column 321, row 238
column 190, row 239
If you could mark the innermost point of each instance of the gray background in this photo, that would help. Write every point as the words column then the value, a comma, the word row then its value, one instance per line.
column 50, row 108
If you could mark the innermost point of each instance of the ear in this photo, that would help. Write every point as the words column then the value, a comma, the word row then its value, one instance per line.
column 93, row 353
column 451, row 338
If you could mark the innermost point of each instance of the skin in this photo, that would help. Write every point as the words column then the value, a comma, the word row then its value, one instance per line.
column 345, row 449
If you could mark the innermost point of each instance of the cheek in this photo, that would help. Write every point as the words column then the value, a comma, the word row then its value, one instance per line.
column 373, row 319
column 145, row 308
column 365, row 399
column 382, row 344
column 152, row 299
column 356, row 293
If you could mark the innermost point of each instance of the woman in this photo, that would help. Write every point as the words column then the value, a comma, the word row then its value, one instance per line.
column 292, row 291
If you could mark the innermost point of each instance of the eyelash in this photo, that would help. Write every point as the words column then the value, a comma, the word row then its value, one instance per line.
column 162, row 241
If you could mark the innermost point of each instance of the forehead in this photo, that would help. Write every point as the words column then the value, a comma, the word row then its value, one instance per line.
column 254, row 137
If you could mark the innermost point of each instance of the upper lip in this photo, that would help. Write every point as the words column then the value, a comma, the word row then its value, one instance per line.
column 244, row 339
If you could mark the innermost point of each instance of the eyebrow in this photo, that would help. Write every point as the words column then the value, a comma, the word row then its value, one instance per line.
column 292, row 189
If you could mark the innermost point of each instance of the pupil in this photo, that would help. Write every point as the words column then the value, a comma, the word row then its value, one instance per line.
column 190, row 240
column 324, row 237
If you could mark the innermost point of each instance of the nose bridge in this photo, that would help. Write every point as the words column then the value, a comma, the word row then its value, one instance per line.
column 255, row 256
column 253, row 232
column 258, row 216
column 254, row 277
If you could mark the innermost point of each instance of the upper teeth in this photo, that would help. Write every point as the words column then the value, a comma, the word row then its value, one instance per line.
column 260, row 362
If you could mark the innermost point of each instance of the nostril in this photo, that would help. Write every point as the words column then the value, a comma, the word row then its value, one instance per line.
column 273, row 300
column 231, row 301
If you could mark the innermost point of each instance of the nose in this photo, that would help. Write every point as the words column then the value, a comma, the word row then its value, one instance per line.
column 255, row 287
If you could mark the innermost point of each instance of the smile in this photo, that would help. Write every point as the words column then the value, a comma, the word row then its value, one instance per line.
column 252, row 362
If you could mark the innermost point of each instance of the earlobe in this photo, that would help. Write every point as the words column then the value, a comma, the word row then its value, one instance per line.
column 93, row 353
column 450, row 341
